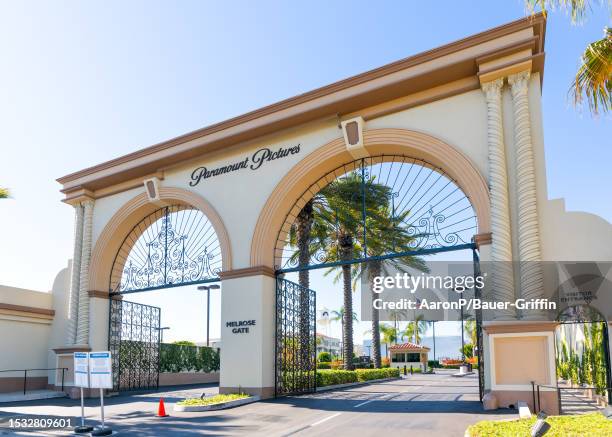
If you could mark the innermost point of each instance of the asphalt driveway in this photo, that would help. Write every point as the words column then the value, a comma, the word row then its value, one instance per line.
column 418, row 405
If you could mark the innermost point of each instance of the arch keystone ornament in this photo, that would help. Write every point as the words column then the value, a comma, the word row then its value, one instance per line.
column 353, row 137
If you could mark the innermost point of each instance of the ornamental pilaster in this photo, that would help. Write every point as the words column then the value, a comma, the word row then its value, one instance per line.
column 501, row 245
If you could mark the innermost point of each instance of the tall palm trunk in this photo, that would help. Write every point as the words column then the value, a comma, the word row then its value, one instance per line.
column 345, row 245
column 374, row 271
column 304, row 226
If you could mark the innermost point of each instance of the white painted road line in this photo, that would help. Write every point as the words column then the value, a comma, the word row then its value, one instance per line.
column 325, row 420
column 363, row 403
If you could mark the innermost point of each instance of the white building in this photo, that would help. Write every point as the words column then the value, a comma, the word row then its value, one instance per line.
column 329, row 344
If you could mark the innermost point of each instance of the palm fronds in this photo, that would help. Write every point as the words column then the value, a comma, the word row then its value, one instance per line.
column 594, row 77
column 577, row 8
column 4, row 193
column 593, row 80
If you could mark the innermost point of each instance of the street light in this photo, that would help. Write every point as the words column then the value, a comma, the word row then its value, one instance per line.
column 161, row 333
column 208, row 288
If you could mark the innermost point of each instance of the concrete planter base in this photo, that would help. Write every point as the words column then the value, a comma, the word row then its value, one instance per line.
column 214, row 407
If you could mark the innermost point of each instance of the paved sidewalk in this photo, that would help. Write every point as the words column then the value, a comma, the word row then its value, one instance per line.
column 30, row 395
column 430, row 405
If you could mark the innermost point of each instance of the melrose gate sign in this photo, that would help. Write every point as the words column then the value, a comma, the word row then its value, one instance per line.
column 258, row 159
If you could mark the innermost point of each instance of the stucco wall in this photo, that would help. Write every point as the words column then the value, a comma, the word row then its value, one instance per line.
column 239, row 196
column 24, row 336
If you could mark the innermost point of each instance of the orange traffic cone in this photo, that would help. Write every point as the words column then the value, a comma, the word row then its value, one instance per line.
column 161, row 410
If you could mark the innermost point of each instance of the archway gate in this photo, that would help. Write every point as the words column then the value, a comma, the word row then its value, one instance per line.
column 173, row 246
column 376, row 209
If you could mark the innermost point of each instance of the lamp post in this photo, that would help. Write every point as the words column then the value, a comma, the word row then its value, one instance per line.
column 434, row 338
column 161, row 333
column 208, row 288
column 462, row 337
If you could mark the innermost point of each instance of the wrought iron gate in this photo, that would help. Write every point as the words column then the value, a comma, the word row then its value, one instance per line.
column 134, row 344
column 295, row 349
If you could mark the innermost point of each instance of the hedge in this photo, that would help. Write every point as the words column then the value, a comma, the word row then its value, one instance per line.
column 183, row 358
column 325, row 377
column 334, row 377
column 370, row 374
column 324, row 365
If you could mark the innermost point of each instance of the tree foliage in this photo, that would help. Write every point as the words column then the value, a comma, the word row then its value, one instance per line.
column 593, row 81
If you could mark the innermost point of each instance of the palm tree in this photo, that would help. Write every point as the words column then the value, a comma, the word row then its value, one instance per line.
column 416, row 329
column 337, row 224
column 4, row 193
column 594, row 77
column 470, row 330
column 396, row 315
column 299, row 236
column 389, row 334
column 339, row 316
column 386, row 233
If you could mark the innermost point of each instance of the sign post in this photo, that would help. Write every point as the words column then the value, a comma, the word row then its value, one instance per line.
column 100, row 376
column 81, row 379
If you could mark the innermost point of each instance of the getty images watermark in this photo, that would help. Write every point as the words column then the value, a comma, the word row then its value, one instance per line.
column 459, row 284
column 458, row 290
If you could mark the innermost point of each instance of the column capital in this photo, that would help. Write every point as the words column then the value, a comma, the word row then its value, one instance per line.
column 87, row 202
column 492, row 89
column 519, row 81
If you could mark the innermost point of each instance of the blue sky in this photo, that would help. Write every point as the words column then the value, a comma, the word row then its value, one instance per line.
column 84, row 82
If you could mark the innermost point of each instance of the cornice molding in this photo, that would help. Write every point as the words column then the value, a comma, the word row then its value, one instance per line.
column 398, row 79
column 248, row 271
column 27, row 309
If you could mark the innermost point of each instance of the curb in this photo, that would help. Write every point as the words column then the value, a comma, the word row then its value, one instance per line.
column 215, row 407
column 353, row 384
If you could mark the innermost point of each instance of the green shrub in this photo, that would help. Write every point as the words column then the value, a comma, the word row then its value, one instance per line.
column 593, row 424
column 324, row 357
column 324, row 365
column 333, row 377
column 186, row 358
column 433, row 364
column 371, row 374
column 296, row 380
column 327, row 377
column 392, row 373
column 212, row 400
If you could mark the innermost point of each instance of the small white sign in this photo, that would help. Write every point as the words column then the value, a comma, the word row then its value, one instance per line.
column 81, row 369
column 100, row 370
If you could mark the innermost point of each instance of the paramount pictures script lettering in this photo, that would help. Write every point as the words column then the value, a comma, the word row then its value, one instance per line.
column 254, row 162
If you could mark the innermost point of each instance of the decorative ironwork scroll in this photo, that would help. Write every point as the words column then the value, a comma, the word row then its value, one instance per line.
column 385, row 204
column 175, row 245
column 134, row 345
column 295, row 365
